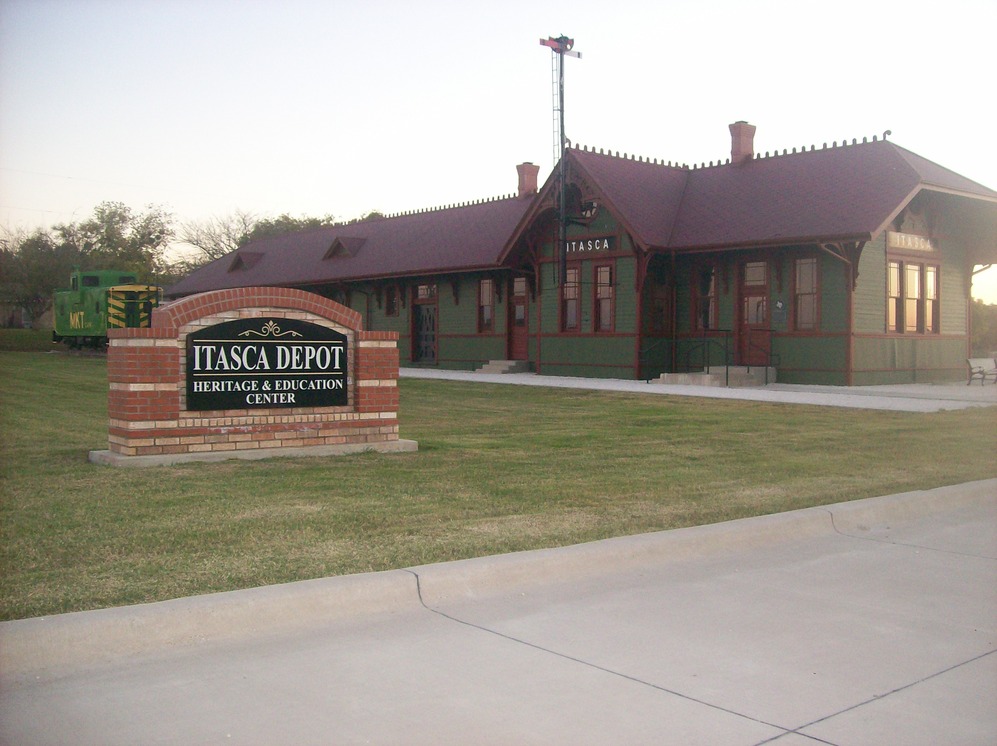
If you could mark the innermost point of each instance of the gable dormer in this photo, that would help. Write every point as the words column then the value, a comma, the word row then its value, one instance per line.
column 344, row 247
column 245, row 260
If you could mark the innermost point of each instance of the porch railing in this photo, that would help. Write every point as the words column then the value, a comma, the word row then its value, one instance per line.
column 645, row 357
column 705, row 350
column 704, row 354
column 772, row 359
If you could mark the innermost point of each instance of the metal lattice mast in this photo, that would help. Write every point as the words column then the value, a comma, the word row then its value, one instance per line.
column 557, row 93
column 560, row 47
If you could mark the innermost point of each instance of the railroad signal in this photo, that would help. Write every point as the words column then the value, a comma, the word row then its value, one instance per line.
column 561, row 45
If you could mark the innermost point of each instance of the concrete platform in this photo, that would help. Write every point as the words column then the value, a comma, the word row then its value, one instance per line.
column 871, row 622
column 916, row 397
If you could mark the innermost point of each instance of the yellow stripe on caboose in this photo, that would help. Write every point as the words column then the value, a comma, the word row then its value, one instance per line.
column 139, row 300
column 115, row 310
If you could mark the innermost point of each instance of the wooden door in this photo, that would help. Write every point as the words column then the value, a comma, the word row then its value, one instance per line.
column 519, row 320
column 753, row 324
column 424, row 332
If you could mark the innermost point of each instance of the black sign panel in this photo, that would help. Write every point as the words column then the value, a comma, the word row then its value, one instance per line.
column 265, row 363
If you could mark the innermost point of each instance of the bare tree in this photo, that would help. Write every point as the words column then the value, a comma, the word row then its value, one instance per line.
column 216, row 237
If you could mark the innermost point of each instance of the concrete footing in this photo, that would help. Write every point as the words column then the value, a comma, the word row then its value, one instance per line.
column 109, row 458
column 734, row 376
column 505, row 366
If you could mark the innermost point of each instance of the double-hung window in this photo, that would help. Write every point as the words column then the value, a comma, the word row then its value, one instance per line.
column 604, row 298
column 570, row 300
column 705, row 297
column 930, row 298
column 913, row 307
column 805, row 297
column 911, row 297
column 486, row 305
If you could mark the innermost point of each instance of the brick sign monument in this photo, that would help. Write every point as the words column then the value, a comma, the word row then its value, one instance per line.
column 250, row 373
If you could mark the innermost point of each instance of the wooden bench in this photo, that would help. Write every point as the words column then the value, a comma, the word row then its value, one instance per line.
column 983, row 368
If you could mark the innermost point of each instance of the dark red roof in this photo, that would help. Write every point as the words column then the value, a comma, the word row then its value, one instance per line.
column 840, row 193
column 452, row 239
column 833, row 193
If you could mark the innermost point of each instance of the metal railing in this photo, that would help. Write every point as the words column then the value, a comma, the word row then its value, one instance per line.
column 701, row 355
column 644, row 357
column 772, row 359
column 705, row 349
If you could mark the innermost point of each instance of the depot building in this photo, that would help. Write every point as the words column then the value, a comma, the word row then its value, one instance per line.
column 845, row 264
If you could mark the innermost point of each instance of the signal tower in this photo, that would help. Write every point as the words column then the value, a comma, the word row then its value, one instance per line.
column 560, row 47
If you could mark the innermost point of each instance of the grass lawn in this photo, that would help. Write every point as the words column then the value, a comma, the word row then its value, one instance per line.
column 23, row 340
column 499, row 469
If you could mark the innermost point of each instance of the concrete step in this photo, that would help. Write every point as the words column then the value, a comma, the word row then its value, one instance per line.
column 689, row 379
column 501, row 367
column 734, row 376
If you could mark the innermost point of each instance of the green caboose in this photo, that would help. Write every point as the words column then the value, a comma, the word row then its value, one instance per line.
column 98, row 300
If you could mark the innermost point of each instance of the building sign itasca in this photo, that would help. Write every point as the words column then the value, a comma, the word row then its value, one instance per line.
column 266, row 362
column 586, row 245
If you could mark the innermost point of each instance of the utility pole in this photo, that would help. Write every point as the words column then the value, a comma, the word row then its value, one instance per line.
column 560, row 47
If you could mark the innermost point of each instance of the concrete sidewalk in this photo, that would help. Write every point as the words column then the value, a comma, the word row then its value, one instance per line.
column 870, row 622
column 917, row 397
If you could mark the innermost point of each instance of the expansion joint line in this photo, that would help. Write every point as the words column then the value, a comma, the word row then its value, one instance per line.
column 603, row 669
column 877, row 540
column 878, row 697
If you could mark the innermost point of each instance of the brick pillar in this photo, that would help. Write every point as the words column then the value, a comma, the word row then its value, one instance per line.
column 143, row 373
column 377, row 373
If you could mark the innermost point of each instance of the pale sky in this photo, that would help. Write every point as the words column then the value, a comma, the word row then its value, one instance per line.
column 309, row 107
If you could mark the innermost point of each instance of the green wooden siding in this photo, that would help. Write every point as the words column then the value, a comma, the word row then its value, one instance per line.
column 817, row 356
column 870, row 289
column 460, row 346
column 833, row 279
column 811, row 359
column 909, row 359
column 589, row 356
column 586, row 352
column 881, row 357
column 626, row 296
column 655, row 355
column 954, row 290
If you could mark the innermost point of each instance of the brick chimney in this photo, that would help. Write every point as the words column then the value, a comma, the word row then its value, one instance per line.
column 742, row 142
column 527, row 178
